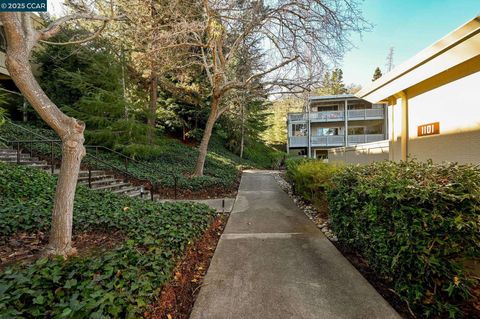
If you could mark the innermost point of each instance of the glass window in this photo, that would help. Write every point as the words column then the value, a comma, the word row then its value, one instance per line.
column 359, row 106
column 324, row 108
column 322, row 131
column 375, row 129
column 356, row 130
column 327, row 108
column 299, row 129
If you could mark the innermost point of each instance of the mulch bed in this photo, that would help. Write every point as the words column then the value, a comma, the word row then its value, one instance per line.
column 206, row 193
column 380, row 285
column 203, row 193
column 23, row 248
column 178, row 296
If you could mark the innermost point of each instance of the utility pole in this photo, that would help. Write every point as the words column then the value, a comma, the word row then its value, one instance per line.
column 389, row 63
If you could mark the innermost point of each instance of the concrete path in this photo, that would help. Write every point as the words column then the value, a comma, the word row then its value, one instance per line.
column 273, row 263
column 221, row 205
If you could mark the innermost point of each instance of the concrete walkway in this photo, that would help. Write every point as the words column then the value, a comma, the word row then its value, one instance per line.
column 273, row 262
column 221, row 205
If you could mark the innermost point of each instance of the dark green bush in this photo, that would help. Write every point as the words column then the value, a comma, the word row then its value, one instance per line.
column 263, row 156
column 415, row 223
column 310, row 178
column 110, row 284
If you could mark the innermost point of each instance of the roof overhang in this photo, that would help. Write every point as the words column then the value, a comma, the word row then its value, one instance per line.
column 456, row 48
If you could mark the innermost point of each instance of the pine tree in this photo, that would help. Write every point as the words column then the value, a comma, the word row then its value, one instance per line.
column 332, row 83
column 377, row 74
column 87, row 83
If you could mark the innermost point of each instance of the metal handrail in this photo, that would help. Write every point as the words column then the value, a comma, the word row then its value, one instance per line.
column 97, row 147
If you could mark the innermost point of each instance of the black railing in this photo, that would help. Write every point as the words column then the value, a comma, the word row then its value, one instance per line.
column 40, row 139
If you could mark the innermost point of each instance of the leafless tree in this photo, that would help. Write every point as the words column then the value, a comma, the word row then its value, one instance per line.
column 299, row 38
column 22, row 37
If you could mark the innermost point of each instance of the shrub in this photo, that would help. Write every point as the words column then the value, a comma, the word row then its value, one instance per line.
column 263, row 156
column 310, row 178
column 116, row 283
column 415, row 224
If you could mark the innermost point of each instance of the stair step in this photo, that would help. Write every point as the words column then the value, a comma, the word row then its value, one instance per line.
column 126, row 189
column 84, row 179
column 22, row 160
column 94, row 173
column 14, row 155
column 146, row 194
column 112, row 187
column 33, row 163
column 101, row 181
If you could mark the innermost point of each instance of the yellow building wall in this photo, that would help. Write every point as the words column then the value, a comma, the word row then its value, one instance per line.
column 360, row 154
column 456, row 106
column 395, row 130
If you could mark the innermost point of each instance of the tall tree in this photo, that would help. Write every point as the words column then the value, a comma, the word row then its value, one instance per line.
column 296, row 34
column 22, row 37
column 377, row 74
column 332, row 83
column 148, row 38
column 89, row 83
column 276, row 133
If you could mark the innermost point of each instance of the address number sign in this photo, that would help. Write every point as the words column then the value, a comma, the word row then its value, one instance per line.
column 429, row 129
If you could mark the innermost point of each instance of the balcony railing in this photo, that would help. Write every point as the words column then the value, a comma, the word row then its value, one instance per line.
column 366, row 114
column 327, row 116
column 328, row 140
column 295, row 117
column 334, row 116
column 365, row 138
column 334, row 140
column 298, row 141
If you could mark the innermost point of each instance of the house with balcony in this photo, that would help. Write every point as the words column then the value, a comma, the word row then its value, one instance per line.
column 335, row 121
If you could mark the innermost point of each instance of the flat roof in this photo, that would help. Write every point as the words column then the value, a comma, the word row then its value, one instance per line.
column 458, row 46
column 332, row 97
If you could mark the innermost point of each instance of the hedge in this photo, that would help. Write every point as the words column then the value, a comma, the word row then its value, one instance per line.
column 310, row 178
column 415, row 223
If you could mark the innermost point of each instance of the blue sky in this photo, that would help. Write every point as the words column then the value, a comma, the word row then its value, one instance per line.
column 407, row 25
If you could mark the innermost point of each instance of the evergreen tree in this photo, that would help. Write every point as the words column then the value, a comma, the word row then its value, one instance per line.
column 276, row 132
column 87, row 83
column 377, row 74
column 332, row 83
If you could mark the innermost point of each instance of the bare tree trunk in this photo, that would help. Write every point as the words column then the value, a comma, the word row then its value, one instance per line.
column 202, row 150
column 152, row 109
column 68, row 129
column 60, row 241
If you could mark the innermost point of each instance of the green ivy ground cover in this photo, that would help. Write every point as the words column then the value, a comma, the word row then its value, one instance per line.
column 158, row 163
column 117, row 283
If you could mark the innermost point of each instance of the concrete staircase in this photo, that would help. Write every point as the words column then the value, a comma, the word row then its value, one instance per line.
column 100, row 180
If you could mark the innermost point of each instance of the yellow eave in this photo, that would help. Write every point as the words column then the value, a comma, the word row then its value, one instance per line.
column 455, row 48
